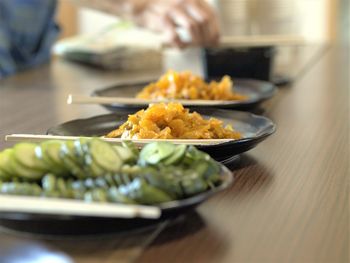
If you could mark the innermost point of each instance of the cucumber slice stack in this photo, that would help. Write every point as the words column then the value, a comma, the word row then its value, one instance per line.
column 79, row 159
column 94, row 170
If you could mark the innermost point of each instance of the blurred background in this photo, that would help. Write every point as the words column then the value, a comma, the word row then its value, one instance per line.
column 315, row 20
column 296, row 30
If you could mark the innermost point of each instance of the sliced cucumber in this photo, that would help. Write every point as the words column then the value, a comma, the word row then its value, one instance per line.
column 94, row 169
column 80, row 148
column 97, row 170
column 5, row 162
column 51, row 156
column 53, row 150
column 4, row 176
column 105, row 156
column 25, row 154
column 69, row 160
column 132, row 147
column 153, row 153
column 115, row 196
column 14, row 188
column 147, row 194
column 179, row 152
column 48, row 182
column 91, row 168
column 74, row 168
column 67, row 150
column 24, row 172
column 125, row 153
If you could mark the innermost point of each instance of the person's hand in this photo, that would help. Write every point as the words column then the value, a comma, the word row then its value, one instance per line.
column 170, row 17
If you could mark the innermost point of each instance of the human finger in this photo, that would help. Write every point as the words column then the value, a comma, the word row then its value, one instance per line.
column 184, row 20
column 211, row 23
column 170, row 34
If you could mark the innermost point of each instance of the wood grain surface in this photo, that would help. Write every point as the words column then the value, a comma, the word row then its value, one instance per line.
column 289, row 202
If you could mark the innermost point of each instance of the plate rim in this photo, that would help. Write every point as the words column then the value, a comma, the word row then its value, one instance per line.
column 267, row 131
column 230, row 103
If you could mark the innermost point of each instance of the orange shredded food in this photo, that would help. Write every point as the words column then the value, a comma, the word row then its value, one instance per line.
column 172, row 121
column 185, row 85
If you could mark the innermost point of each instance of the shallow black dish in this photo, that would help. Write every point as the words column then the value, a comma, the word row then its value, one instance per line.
column 256, row 90
column 253, row 128
column 62, row 225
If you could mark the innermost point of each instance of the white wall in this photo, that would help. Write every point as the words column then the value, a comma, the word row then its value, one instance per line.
column 313, row 19
column 304, row 17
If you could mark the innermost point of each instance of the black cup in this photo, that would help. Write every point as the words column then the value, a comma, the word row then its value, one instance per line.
column 251, row 62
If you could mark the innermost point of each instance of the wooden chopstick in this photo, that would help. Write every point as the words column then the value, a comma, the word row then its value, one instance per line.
column 138, row 142
column 261, row 40
column 80, row 99
column 37, row 205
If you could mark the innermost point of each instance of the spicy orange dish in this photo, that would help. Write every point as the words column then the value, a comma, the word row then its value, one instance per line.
column 172, row 121
column 185, row 85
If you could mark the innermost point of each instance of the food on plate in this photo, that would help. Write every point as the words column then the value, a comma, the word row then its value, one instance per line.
column 185, row 85
column 94, row 170
column 172, row 121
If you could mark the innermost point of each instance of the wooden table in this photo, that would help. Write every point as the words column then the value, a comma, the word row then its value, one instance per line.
column 290, row 200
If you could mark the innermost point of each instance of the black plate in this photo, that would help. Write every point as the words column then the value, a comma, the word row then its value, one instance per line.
column 45, row 224
column 256, row 90
column 253, row 128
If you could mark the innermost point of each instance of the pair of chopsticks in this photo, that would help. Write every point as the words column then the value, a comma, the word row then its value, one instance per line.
column 261, row 40
column 138, row 142
column 80, row 99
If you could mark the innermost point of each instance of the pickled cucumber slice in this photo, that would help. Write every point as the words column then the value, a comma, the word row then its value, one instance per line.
column 25, row 154
column 22, row 171
column 154, row 152
column 179, row 152
column 50, row 154
column 5, row 169
column 70, row 161
column 105, row 156
column 125, row 153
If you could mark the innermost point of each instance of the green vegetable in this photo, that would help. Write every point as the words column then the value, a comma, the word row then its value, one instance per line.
column 50, row 154
column 14, row 188
column 179, row 152
column 70, row 160
column 95, row 171
column 25, row 154
column 5, row 168
column 22, row 171
column 153, row 153
column 125, row 153
column 104, row 155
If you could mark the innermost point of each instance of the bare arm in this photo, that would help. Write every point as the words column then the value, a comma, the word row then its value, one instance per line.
column 165, row 17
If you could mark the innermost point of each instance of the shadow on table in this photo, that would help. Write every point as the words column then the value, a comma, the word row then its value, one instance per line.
column 184, row 225
column 249, row 176
column 258, row 110
column 191, row 235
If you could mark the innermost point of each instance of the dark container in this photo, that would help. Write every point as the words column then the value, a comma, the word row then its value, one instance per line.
column 247, row 62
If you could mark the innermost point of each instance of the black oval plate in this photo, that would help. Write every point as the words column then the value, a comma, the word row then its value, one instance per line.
column 63, row 225
column 256, row 90
column 253, row 128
